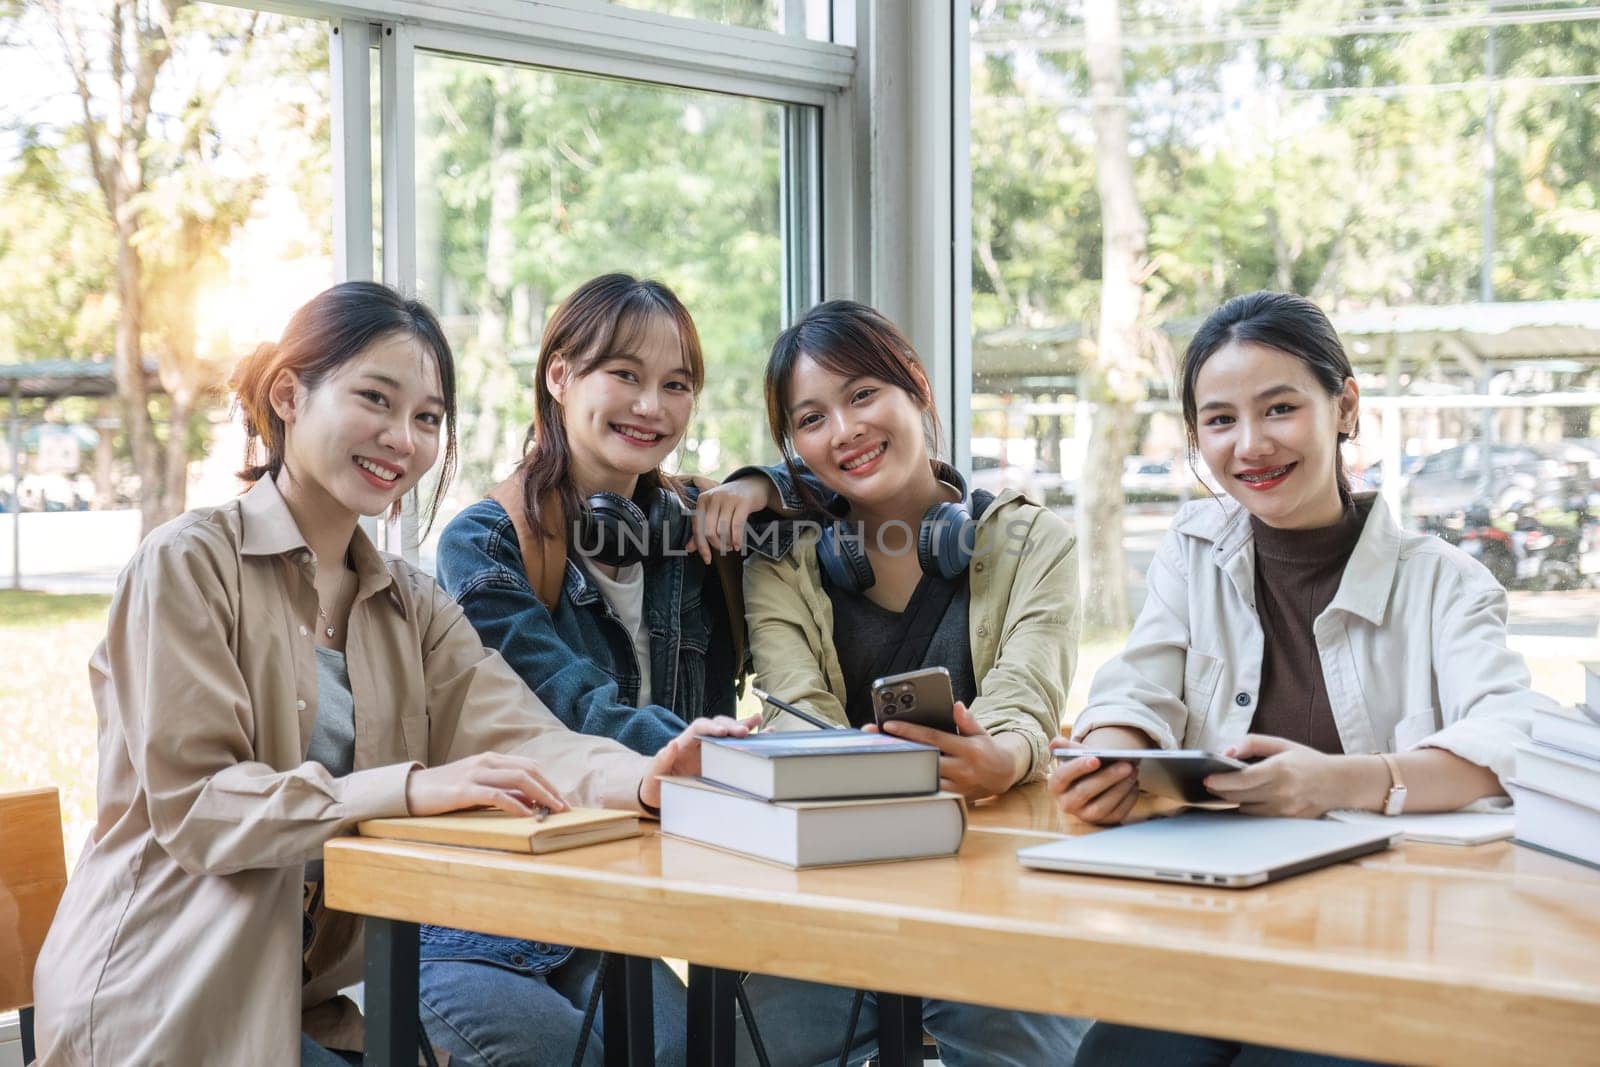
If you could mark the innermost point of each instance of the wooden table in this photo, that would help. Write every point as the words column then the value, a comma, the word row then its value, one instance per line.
column 1427, row 954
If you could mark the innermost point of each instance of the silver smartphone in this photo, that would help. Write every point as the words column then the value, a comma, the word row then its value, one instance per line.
column 1176, row 773
column 922, row 697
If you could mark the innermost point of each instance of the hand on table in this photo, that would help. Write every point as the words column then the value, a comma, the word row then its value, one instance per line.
column 513, row 784
column 681, row 755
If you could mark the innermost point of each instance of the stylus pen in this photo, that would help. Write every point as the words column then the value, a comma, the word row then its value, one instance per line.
column 804, row 716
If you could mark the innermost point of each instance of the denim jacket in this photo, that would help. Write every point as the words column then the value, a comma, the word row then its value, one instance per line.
column 580, row 661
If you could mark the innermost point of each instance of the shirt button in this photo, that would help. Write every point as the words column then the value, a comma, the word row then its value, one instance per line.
column 304, row 632
column 978, row 567
column 983, row 631
column 299, row 705
column 518, row 959
column 1242, row 699
column 542, row 947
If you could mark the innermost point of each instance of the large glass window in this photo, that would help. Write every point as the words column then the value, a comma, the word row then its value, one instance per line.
column 1424, row 172
column 531, row 181
column 211, row 146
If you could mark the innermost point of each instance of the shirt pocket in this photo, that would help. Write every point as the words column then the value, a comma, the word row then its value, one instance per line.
column 1200, row 675
column 414, row 734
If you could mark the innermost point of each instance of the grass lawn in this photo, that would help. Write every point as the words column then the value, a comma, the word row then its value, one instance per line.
column 47, row 723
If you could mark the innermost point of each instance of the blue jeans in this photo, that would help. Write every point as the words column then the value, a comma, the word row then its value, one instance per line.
column 314, row 1055
column 802, row 1024
column 1110, row 1045
column 489, row 1016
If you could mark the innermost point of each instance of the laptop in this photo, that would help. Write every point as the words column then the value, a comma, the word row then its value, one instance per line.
column 1221, row 848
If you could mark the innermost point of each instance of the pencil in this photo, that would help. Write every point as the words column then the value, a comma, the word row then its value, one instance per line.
column 804, row 716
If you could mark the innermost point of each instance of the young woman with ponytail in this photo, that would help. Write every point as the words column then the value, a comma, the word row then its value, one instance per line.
column 268, row 680
column 580, row 569
column 1294, row 624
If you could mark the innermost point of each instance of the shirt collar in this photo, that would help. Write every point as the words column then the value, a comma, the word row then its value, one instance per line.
column 270, row 530
column 1368, row 576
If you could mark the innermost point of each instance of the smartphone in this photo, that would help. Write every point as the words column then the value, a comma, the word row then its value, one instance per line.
column 1176, row 773
column 923, row 697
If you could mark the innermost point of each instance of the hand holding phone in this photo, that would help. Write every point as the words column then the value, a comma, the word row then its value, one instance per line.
column 1178, row 774
column 923, row 697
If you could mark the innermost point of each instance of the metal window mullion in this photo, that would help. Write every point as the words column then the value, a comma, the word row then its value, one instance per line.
column 801, row 210
column 960, row 400
column 595, row 29
column 398, row 129
column 350, row 83
column 349, row 45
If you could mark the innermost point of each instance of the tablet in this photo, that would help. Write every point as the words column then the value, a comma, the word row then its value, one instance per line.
column 1176, row 773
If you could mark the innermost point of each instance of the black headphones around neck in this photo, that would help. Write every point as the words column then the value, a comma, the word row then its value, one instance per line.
column 945, row 539
column 620, row 532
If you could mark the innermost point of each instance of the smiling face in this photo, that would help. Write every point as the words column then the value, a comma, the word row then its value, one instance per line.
column 862, row 436
column 1269, row 432
column 626, row 412
column 364, row 435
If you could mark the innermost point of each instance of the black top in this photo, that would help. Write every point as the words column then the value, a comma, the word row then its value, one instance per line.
column 1297, row 574
column 867, row 636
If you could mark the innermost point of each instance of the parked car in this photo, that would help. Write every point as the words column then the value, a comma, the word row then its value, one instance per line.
column 992, row 474
column 1522, row 476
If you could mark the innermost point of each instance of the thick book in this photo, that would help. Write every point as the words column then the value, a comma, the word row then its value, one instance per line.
column 1574, row 729
column 1556, row 770
column 820, row 764
column 508, row 833
column 813, row 833
column 1556, row 824
column 1439, row 828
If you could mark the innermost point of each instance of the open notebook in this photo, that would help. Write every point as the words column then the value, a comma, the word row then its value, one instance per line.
column 1442, row 828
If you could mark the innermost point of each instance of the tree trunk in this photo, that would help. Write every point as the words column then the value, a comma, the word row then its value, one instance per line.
column 105, row 454
column 489, row 380
column 130, row 377
column 1114, row 375
column 175, row 469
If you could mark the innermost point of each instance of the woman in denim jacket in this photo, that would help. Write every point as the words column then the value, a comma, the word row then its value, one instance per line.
column 627, row 651
column 1295, row 624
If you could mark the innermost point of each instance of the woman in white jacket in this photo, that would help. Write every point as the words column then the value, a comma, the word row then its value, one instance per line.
column 1295, row 625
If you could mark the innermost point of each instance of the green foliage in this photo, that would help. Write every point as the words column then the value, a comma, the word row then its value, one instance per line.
column 534, row 181
column 1346, row 167
column 21, row 609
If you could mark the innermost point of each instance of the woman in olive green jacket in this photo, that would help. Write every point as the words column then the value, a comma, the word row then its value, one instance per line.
column 905, row 570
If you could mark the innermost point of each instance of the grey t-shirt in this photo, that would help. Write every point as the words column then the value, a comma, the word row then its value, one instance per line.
column 867, row 636
column 333, row 736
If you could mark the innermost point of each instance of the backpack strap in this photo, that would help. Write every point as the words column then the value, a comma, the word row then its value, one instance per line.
column 730, row 576
column 544, row 559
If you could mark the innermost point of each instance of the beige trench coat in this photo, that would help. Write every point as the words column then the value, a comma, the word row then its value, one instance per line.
column 179, row 938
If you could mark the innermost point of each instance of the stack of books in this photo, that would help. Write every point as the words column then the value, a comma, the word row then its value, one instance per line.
column 1557, row 783
column 815, row 799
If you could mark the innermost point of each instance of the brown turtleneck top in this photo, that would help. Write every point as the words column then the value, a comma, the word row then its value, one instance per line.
column 1297, row 575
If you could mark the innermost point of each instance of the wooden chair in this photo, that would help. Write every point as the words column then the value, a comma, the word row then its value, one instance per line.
column 33, row 874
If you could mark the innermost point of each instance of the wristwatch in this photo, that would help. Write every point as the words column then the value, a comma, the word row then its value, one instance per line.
column 1395, row 802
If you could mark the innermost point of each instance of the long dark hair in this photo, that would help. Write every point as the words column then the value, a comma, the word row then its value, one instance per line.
column 1288, row 323
column 329, row 330
column 602, row 317
column 848, row 339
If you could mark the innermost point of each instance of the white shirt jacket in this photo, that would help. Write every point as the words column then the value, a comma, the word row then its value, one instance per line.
column 1413, row 646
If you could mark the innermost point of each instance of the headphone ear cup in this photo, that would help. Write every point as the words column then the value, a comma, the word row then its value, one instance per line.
column 615, row 531
column 843, row 561
column 944, row 541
